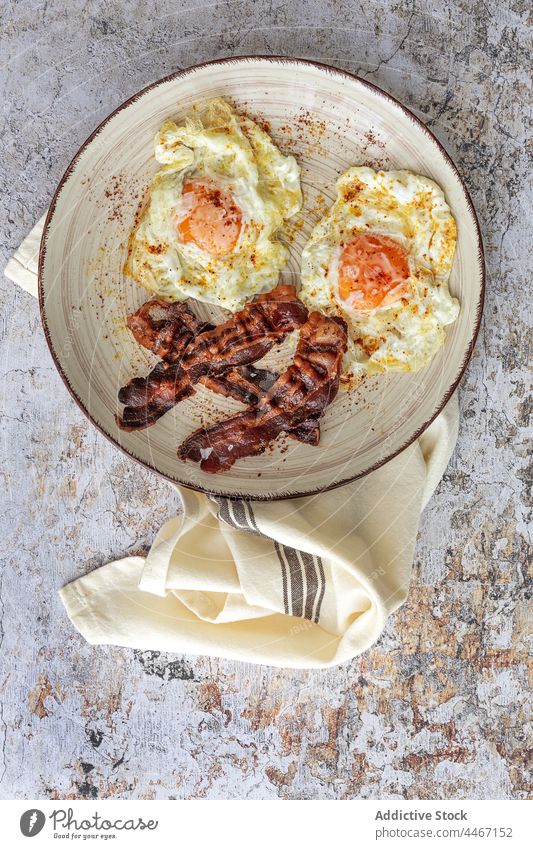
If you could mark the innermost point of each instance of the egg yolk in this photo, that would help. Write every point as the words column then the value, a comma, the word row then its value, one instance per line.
column 372, row 271
column 209, row 217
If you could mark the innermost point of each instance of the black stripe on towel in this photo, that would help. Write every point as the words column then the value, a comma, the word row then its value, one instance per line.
column 299, row 569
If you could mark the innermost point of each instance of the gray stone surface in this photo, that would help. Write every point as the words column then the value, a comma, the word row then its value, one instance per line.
column 438, row 707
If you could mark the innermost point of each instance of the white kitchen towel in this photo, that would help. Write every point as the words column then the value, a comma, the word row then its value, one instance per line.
column 23, row 266
column 302, row 583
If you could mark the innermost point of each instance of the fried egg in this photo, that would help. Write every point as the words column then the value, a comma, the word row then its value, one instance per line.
column 381, row 258
column 209, row 228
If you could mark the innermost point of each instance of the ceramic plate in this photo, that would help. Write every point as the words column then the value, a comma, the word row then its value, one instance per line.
column 329, row 120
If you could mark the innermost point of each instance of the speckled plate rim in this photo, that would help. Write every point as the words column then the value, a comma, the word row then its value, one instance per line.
column 289, row 61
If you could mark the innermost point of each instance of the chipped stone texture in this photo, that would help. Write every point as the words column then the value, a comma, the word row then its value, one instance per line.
column 439, row 707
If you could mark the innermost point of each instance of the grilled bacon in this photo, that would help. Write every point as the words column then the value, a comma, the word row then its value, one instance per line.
column 165, row 329
column 297, row 399
column 246, row 384
column 244, row 338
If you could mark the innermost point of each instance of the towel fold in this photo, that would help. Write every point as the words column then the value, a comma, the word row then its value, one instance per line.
column 303, row 583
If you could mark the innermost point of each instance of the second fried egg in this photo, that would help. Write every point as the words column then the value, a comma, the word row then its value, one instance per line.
column 381, row 258
column 209, row 229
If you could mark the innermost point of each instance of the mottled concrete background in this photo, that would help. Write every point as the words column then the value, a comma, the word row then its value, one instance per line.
column 438, row 707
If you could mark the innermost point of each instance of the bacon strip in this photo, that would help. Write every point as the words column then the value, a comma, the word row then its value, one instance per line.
column 165, row 329
column 246, row 337
column 249, row 385
column 246, row 384
column 299, row 395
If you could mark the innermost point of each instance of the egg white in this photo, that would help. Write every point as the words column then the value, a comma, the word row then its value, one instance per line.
column 215, row 144
column 412, row 210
